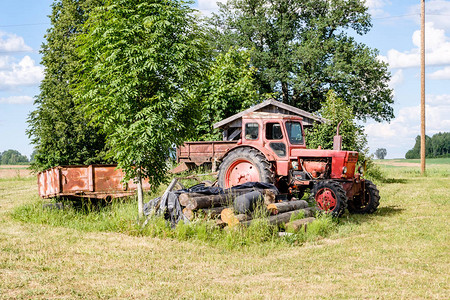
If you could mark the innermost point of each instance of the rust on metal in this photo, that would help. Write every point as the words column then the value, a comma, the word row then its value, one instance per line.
column 93, row 181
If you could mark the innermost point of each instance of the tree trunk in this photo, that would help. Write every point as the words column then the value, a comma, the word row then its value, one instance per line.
column 278, row 208
column 285, row 92
column 227, row 216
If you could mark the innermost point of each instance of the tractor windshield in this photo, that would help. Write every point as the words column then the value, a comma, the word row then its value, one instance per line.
column 294, row 131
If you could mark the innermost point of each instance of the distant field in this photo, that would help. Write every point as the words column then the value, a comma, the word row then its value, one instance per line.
column 18, row 171
column 400, row 252
column 428, row 161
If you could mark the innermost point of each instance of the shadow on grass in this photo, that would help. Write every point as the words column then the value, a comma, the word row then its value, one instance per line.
column 385, row 211
column 84, row 205
column 394, row 180
column 389, row 210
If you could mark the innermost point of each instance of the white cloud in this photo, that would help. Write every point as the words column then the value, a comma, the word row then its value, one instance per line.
column 17, row 100
column 437, row 50
column 440, row 74
column 376, row 7
column 399, row 135
column 5, row 62
column 396, row 79
column 207, row 7
column 438, row 100
column 10, row 42
column 24, row 73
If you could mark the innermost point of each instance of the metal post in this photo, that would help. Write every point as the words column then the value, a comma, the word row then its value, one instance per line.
column 422, row 87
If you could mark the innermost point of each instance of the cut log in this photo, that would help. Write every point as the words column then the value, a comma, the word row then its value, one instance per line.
column 228, row 217
column 184, row 198
column 188, row 213
column 212, row 213
column 285, row 217
column 278, row 208
column 299, row 224
column 195, row 201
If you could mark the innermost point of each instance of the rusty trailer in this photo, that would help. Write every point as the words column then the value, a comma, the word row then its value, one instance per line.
column 93, row 181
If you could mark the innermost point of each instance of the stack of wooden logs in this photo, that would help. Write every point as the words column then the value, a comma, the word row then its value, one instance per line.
column 223, row 208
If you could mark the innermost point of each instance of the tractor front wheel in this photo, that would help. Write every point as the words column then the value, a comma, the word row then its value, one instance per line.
column 244, row 165
column 367, row 204
column 330, row 197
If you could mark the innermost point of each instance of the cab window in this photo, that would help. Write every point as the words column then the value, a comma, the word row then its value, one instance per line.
column 273, row 131
column 294, row 131
column 251, row 131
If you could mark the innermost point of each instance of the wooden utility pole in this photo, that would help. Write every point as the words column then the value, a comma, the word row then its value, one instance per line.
column 422, row 86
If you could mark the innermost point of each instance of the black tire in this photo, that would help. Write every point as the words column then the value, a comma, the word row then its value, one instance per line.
column 371, row 203
column 322, row 190
column 249, row 155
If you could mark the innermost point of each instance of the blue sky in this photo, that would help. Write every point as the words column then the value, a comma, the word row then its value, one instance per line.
column 395, row 33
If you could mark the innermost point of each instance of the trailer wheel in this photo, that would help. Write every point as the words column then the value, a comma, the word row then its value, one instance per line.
column 244, row 165
column 330, row 197
column 369, row 204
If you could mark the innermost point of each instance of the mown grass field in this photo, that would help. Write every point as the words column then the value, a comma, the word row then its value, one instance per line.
column 401, row 251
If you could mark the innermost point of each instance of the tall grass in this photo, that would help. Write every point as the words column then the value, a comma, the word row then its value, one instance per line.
column 121, row 217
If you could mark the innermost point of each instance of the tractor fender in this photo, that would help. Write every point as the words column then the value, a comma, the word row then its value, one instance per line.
column 269, row 156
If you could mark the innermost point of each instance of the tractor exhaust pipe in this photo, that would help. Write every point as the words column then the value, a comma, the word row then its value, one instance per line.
column 337, row 139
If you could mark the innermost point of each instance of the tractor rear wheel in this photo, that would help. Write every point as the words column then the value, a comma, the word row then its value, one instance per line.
column 244, row 165
column 330, row 197
column 368, row 204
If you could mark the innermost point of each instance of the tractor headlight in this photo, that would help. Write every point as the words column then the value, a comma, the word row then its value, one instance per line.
column 344, row 170
column 294, row 165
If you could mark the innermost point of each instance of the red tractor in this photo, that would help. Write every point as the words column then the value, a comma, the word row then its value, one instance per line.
column 270, row 147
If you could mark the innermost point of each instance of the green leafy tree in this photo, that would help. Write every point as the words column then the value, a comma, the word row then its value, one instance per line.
column 336, row 111
column 61, row 133
column 380, row 153
column 302, row 50
column 229, row 88
column 12, row 157
column 436, row 146
column 441, row 144
column 141, row 59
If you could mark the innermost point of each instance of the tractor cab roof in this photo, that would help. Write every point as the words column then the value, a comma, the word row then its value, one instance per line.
column 269, row 106
column 271, row 116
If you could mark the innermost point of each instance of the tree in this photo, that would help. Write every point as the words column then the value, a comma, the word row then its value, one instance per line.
column 141, row 59
column 60, row 132
column 380, row 153
column 336, row 111
column 12, row 157
column 436, row 146
column 441, row 144
column 302, row 50
column 229, row 88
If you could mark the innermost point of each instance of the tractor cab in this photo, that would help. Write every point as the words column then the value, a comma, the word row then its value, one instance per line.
column 277, row 136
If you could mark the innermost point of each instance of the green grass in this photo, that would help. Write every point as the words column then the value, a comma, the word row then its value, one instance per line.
column 121, row 217
column 399, row 252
